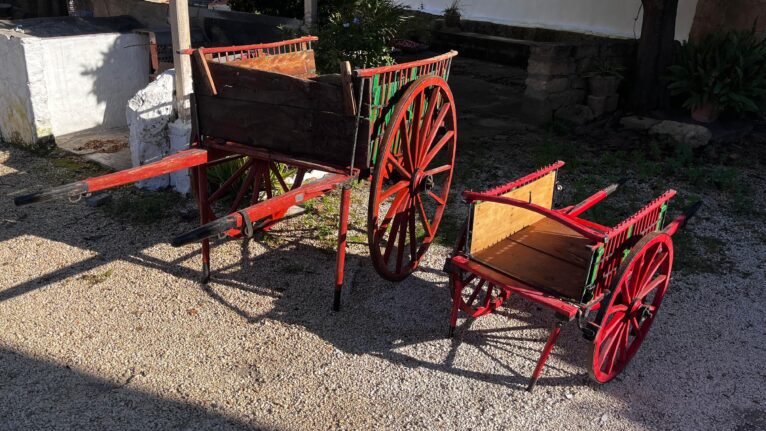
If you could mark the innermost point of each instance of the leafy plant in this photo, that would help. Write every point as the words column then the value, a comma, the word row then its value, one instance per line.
column 359, row 31
column 727, row 69
column 603, row 67
column 452, row 13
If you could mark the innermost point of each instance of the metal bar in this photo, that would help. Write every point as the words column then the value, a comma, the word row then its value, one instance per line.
column 588, row 203
column 680, row 221
column 564, row 219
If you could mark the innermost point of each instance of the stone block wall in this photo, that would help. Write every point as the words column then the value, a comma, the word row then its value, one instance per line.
column 556, row 74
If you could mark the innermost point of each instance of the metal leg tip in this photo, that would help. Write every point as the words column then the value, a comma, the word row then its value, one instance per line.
column 532, row 384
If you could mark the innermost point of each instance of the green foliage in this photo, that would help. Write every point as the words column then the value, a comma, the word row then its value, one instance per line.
column 726, row 69
column 604, row 67
column 219, row 173
column 359, row 31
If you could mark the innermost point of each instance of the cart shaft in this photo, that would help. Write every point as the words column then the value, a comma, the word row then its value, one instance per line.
column 176, row 162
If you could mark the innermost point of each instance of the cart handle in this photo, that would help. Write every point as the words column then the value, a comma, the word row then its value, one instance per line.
column 681, row 221
column 564, row 219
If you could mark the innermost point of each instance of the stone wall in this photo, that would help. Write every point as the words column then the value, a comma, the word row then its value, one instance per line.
column 556, row 74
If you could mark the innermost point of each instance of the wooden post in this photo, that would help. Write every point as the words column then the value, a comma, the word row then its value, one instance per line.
column 346, row 77
column 179, row 28
column 310, row 13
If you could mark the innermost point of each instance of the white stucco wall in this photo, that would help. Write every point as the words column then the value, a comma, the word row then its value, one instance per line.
column 60, row 85
column 89, row 79
column 605, row 17
column 16, row 117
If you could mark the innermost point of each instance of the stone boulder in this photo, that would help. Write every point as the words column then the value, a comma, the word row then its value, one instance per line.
column 149, row 112
column 574, row 115
column 692, row 135
column 635, row 122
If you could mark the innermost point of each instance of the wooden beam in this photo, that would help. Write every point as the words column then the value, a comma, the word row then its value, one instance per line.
column 349, row 103
column 179, row 28
column 310, row 13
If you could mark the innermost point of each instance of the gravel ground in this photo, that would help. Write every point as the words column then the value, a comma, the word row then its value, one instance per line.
column 104, row 326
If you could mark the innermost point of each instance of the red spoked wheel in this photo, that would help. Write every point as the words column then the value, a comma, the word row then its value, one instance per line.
column 412, row 177
column 244, row 181
column 479, row 297
column 628, row 312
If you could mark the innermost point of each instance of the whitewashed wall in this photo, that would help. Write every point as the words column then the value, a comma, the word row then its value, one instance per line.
column 604, row 17
column 89, row 79
column 16, row 116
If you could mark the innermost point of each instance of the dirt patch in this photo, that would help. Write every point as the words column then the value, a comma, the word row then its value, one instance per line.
column 103, row 146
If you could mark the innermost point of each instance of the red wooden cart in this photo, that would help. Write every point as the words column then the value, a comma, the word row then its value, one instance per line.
column 265, row 107
column 611, row 280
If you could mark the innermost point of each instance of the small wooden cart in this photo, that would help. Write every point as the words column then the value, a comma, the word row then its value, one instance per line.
column 611, row 280
column 264, row 106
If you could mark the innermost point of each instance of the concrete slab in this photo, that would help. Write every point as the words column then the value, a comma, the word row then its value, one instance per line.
column 108, row 148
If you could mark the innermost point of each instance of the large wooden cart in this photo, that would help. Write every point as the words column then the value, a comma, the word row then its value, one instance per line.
column 265, row 107
column 611, row 280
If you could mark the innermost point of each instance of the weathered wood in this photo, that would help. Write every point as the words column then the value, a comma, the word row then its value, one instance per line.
column 493, row 222
column 181, row 37
column 313, row 134
column 207, row 79
column 347, row 85
column 300, row 64
column 546, row 255
column 274, row 88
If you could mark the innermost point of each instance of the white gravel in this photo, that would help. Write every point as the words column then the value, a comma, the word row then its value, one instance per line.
column 103, row 326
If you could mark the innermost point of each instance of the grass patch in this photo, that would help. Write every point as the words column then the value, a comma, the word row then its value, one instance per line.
column 94, row 279
column 143, row 207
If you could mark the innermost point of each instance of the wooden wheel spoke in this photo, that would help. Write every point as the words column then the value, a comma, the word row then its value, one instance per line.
column 652, row 268
column 475, row 293
column 256, row 185
column 624, row 294
column 404, row 143
column 488, row 295
column 424, row 217
column 650, row 286
column 399, row 168
column 613, row 349
column 226, row 184
column 402, row 239
column 435, row 150
column 281, row 180
column 438, row 170
column 392, row 212
column 613, row 324
column 443, row 111
column 436, row 198
column 392, row 238
column 428, row 123
column 401, row 185
column 637, row 326
column 243, row 189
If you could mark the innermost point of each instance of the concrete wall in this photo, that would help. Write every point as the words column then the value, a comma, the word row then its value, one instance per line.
column 16, row 116
column 53, row 86
column 89, row 79
column 604, row 17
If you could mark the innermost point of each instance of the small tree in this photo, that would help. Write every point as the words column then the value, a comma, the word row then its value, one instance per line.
column 655, row 54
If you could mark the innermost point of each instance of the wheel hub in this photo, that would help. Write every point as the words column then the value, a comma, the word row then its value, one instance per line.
column 421, row 182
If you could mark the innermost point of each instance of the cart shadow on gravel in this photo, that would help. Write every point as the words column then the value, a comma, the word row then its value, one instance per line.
column 40, row 395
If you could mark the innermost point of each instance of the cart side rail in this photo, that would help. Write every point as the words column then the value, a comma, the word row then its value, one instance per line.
column 227, row 54
column 382, row 86
column 534, row 176
column 648, row 219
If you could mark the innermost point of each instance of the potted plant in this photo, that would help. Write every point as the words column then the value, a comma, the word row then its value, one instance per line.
column 452, row 14
column 604, row 78
column 723, row 72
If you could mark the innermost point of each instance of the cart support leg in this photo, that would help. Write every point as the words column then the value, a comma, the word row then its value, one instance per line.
column 341, row 260
column 202, row 202
column 554, row 335
column 457, row 287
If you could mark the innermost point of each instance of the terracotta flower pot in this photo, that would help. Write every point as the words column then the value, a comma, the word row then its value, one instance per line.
column 706, row 113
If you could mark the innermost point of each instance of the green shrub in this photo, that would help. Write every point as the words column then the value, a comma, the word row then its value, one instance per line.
column 726, row 69
column 359, row 31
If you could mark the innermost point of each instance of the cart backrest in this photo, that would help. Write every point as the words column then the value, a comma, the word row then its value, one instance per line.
column 293, row 57
column 492, row 222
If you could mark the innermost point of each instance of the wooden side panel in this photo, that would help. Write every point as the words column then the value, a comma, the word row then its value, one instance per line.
column 493, row 222
column 311, row 135
column 274, row 88
column 300, row 64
